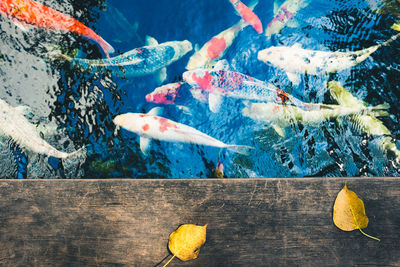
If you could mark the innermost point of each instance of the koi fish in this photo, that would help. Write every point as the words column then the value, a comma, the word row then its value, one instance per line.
column 219, row 82
column 14, row 125
column 295, row 60
column 29, row 12
column 166, row 95
column 151, row 126
column 140, row 61
column 217, row 46
column 282, row 116
column 247, row 15
column 368, row 124
column 219, row 170
column 284, row 15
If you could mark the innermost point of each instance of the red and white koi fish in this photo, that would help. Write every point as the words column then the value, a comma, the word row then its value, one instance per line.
column 220, row 82
column 247, row 15
column 219, row 170
column 166, row 95
column 216, row 48
column 29, row 12
column 151, row 126
column 284, row 14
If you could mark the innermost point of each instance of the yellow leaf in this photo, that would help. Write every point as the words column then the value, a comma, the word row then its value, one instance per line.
column 349, row 212
column 186, row 241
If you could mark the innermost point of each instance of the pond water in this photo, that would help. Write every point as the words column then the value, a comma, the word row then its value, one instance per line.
column 74, row 107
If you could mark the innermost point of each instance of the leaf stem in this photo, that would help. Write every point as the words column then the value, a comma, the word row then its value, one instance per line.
column 375, row 238
column 169, row 261
column 359, row 228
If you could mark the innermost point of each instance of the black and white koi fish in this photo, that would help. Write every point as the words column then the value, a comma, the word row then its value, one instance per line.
column 295, row 60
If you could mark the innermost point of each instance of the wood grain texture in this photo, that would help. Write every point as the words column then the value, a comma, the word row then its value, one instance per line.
column 251, row 222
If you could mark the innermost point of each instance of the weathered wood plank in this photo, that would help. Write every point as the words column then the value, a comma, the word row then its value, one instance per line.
column 260, row 222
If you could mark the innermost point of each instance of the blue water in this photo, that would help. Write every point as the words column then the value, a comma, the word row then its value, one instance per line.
column 82, row 104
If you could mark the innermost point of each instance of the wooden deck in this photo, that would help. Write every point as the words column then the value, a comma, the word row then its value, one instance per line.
column 251, row 222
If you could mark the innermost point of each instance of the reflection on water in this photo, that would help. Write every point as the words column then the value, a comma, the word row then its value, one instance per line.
column 75, row 107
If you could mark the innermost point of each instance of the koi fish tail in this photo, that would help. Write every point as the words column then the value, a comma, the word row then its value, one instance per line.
column 75, row 157
column 379, row 110
column 244, row 150
column 107, row 48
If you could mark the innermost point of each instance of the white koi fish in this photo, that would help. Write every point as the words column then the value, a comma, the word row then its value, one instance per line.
column 282, row 116
column 151, row 126
column 295, row 60
column 216, row 48
column 14, row 125
column 368, row 123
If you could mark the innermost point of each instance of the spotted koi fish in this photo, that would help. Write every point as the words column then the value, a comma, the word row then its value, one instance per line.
column 284, row 14
column 167, row 95
column 14, row 125
column 295, row 60
column 216, row 48
column 366, row 123
column 247, row 15
column 151, row 126
column 29, row 12
column 282, row 116
column 139, row 61
column 219, row 83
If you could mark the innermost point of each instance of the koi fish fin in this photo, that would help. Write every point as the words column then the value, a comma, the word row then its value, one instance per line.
column 294, row 78
column 198, row 94
column 155, row 111
column 196, row 47
column 244, row 150
column 292, row 23
column 214, row 102
column 379, row 110
column 161, row 75
column 151, row 41
column 221, row 65
column 185, row 110
column 279, row 130
column 107, row 48
column 253, row 4
column 145, row 145
column 276, row 7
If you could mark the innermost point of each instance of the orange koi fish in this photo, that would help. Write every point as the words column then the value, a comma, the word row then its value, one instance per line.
column 29, row 12
column 247, row 15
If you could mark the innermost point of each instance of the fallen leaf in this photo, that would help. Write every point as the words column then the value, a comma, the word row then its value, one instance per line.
column 349, row 212
column 186, row 241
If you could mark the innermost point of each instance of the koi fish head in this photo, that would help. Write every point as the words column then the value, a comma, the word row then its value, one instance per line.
column 181, row 48
column 130, row 121
column 165, row 94
column 199, row 78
